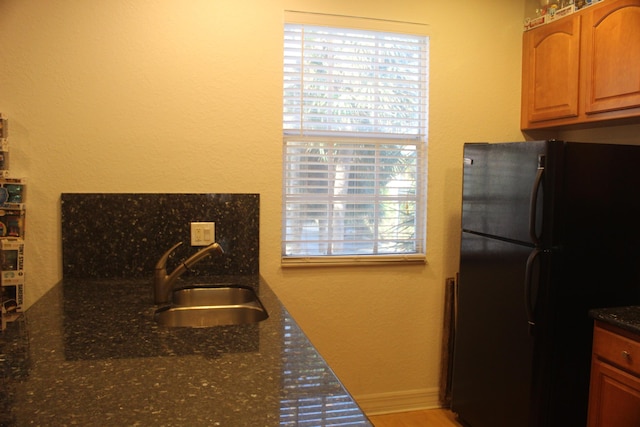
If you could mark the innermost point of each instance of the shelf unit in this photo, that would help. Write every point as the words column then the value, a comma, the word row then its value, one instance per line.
column 12, row 232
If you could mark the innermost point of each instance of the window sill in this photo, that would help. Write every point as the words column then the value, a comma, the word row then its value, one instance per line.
column 352, row 260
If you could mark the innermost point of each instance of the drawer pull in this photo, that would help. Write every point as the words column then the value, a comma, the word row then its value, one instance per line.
column 626, row 355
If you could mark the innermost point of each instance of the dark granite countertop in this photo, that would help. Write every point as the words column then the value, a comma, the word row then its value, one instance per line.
column 627, row 318
column 89, row 353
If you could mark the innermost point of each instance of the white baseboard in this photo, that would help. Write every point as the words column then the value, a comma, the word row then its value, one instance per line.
column 399, row 401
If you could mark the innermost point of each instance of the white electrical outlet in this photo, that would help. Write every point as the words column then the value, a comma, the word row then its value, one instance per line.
column 203, row 233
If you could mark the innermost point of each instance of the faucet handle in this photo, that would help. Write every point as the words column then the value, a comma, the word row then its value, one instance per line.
column 162, row 262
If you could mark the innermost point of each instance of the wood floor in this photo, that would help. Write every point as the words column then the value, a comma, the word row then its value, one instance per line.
column 426, row 418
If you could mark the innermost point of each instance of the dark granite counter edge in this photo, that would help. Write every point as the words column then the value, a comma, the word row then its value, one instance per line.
column 627, row 318
column 68, row 364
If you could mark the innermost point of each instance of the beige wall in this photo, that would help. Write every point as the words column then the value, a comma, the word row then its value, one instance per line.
column 185, row 96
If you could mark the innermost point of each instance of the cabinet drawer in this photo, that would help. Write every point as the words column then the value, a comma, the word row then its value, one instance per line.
column 619, row 350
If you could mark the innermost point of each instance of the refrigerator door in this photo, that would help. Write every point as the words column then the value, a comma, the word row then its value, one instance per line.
column 493, row 350
column 498, row 184
column 594, row 263
column 598, row 226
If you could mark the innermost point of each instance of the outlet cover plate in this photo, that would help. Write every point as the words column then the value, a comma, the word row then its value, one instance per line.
column 203, row 233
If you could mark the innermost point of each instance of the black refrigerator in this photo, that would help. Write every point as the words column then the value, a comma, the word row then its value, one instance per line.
column 550, row 229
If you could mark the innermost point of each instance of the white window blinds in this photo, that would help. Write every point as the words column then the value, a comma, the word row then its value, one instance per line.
column 355, row 127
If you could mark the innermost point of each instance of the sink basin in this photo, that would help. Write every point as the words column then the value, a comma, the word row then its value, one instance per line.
column 213, row 295
column 207, row 306
column 207, row 316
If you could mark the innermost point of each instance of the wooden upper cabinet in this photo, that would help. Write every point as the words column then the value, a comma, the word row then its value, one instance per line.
column 612, row 56
column 583, row 68
column 551, row 71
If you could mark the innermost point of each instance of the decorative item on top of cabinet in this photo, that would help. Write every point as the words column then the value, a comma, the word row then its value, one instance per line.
column 614, row 397
column 583, row 68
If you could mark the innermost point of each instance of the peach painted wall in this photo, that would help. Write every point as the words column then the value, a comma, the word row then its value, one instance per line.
column 185, row 96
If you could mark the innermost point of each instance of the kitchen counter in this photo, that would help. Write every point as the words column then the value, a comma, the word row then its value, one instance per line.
column 627, row 318
column 89, row 353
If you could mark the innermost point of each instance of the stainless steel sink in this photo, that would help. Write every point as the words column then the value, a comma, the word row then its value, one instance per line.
column 207, row 306
column 213, row 295
column 207, row 316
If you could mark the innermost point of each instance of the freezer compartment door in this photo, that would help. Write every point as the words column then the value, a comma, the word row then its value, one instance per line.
column 493, row 350
column 498, row 184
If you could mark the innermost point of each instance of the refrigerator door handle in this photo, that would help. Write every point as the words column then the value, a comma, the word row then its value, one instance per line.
column 533, row 202
column 528, row 282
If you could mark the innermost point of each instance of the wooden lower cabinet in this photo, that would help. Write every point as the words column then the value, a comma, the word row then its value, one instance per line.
column 614, row 397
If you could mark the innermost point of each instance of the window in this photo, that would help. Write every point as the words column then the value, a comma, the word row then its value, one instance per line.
column 354, row 133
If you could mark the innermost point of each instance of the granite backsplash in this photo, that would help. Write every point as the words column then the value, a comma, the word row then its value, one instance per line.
column 121, row 235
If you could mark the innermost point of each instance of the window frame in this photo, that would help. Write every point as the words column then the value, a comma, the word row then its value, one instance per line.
column 421, row 142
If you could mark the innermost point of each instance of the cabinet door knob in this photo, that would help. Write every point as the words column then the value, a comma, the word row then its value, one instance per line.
column 626, row 355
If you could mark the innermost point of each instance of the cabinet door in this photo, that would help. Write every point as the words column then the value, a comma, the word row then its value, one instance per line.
column 612, row 56
column 551, row 60
column 614, row 399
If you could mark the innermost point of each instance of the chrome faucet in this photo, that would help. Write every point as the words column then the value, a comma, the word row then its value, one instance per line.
column 163, row 282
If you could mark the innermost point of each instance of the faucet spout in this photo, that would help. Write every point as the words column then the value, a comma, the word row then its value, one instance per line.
column 163, row 282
